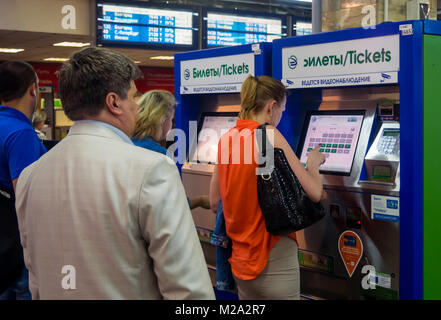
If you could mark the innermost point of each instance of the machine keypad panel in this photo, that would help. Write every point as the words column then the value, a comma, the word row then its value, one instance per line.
column 389, row 142
column 332, row 143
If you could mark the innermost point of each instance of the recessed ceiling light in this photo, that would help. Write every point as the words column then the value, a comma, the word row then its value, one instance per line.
column 56, row 59
column 162, row 58
column 10, row 50
column 137, row 62
column 72, row 44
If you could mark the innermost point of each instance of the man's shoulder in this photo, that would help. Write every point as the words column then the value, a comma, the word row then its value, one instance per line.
column 22, row 144
column 119, row 155
column 148, row 157
column 14, row 127
column 151, row 161
column 115, row 150
column 24, row 176
column 143, row 151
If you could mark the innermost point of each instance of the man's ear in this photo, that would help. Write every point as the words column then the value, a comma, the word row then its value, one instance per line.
column 33, row 90
column 112, row 103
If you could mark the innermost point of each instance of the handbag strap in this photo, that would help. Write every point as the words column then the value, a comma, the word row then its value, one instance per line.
column 262, row 143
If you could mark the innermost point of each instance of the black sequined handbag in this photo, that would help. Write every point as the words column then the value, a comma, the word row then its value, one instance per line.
column 285, row 205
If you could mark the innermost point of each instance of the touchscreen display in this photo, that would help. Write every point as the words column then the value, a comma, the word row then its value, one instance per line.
column 337, row 133
column 213, row 127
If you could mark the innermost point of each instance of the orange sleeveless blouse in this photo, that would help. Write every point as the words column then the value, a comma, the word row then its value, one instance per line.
column 244, row 222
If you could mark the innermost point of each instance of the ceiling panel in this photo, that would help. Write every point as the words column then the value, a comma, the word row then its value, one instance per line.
column 39, row 46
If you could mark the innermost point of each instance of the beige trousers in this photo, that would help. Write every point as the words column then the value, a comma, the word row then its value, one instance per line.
column 280, row 280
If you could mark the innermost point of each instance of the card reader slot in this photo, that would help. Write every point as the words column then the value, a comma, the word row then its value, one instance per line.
column 377, row 183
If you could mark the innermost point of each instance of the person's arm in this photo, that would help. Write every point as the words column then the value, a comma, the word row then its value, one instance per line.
column 23, row 148
column 14, row 183
column 214, row 190
column 309, row 178
column 201, row 201
column 167, row 226
column 21, row 188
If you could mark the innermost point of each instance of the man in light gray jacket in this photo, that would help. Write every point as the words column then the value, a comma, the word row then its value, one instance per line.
column 99, row 217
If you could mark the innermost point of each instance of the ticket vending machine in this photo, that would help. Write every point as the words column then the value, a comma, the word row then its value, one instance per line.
column 362, row 95
column 343, row 129
column 208, row 84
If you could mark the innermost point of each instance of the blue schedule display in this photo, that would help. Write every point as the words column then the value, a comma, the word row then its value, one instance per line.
column 116, row 32
column 222, row 38
column 142, row 25
column 237, row 26
column 135, row 18
column 231, row 29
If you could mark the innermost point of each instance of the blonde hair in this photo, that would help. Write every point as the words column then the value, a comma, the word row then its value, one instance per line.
column 155, row 107
column 38, row 117
column 257, row 91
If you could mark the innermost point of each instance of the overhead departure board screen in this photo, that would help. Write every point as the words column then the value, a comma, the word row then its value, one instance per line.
column 302, row 28
column 225, row 29
column 140, row 25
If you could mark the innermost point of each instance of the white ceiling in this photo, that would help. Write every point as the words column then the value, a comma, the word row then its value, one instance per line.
column 39, row 46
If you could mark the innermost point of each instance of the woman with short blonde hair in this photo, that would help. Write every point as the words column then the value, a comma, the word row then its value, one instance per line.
column 156, row 113
column 155, row 120
column 38, row 119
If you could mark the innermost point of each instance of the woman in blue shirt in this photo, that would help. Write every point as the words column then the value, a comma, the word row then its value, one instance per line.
column 155, row 120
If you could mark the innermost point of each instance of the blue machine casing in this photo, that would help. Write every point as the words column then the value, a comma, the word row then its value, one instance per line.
column 189, row 106
column 410, row 80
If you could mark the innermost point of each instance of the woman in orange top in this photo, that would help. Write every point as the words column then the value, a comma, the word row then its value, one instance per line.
column 264, row 266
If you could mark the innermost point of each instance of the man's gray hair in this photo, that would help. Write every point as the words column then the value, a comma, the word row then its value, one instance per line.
column 91, row 74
